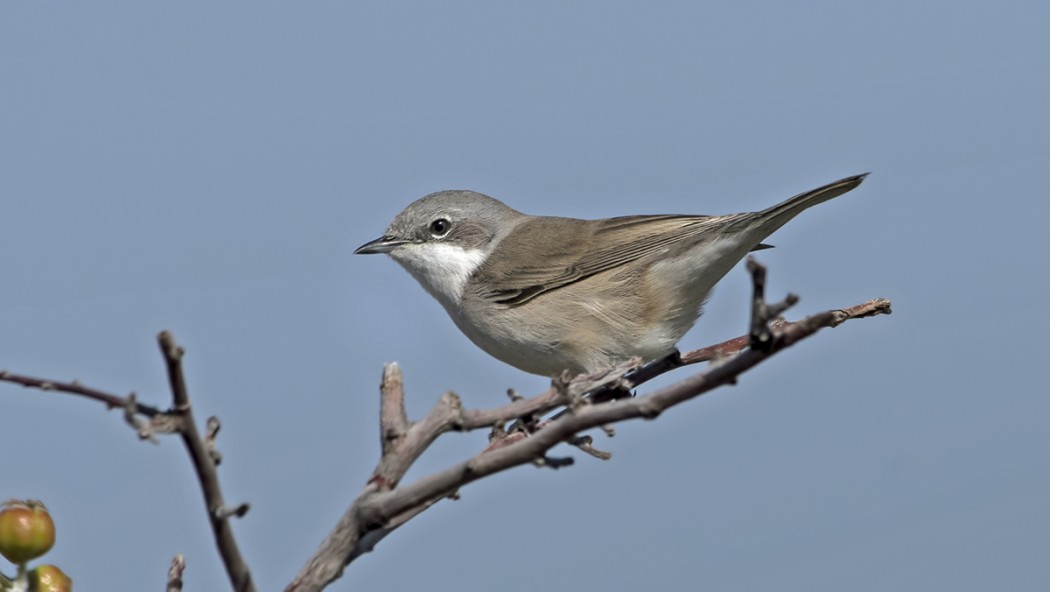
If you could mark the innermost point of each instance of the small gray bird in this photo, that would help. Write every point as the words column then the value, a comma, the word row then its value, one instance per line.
column 547, row 294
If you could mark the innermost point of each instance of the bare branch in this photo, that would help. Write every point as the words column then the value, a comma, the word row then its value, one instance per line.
column 377, row 507
column 590, row 401
column 201, row 456
column 731, row 346
column 393, row 420
column 75, row 388
column 178, row 565
column 384, row 506
column 179, row 419
column 586, row 444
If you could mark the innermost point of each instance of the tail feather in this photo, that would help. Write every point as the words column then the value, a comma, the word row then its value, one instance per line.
column 778, row 215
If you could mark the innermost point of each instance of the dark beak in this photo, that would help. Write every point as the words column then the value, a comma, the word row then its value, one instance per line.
column 383, row 244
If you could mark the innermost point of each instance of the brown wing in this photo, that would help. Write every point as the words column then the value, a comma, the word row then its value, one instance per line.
column 565, row 251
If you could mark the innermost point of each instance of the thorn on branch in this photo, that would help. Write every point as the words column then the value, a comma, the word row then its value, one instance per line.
column 554, row 462
column 237, row 511
column 130, row 399
column 584, row 443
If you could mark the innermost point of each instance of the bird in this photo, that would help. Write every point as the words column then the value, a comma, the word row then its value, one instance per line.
column 550, row 295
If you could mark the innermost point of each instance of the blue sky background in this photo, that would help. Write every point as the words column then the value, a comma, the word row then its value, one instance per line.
column 209, row 168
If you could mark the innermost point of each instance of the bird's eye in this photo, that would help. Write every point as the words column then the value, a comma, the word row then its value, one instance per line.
column 440, row 227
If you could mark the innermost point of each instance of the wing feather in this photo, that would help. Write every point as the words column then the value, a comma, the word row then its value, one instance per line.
column 593, row 247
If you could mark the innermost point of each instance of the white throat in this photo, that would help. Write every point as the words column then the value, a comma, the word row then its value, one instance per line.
column 442, row 269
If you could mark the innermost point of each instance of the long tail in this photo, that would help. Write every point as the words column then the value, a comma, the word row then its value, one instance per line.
column 778, row 215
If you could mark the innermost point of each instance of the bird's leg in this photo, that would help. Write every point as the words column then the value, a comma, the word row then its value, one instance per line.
column 652, row 369
column 615, row 392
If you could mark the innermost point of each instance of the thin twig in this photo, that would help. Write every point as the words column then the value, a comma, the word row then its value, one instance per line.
column 178, row 565
column 204, row 466
column 75, row 388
